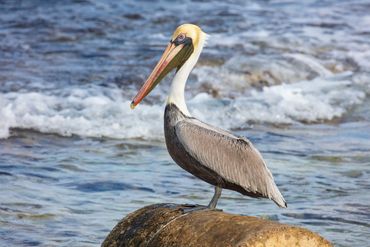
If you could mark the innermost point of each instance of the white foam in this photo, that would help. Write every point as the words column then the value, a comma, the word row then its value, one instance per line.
column 312, row 63
column 239, row 73
column 93, row 112
column 305, row 101
column 99, row 111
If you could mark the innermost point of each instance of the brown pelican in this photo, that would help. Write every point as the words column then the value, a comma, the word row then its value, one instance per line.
column 209, row 153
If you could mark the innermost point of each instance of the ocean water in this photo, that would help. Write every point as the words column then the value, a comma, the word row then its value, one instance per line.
column 292, row 76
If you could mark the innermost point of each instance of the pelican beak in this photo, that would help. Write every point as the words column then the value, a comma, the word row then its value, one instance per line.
column 174, row 56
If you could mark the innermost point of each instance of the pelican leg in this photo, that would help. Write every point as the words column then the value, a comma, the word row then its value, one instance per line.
column 215, row 197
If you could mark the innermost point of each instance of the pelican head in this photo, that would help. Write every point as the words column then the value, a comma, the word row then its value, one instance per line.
column 185, row 44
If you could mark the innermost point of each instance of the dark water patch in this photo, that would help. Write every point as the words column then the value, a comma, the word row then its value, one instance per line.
column 26, row 136
column 279, row 135
column 171, row 192
column 288, row 152
column 311, row 216
column 361, row 210
column 329, row 25
column 68, row 233
column 71, row 167
column 133, row 16
column 49, row 168
column 336, row 192
column 30, row 23
column 9, row 210
column 103, row 186
column 80, row 211
column 23, row 205
column 10, row 167
column 317, row 223
column 5, row 174
column 30, row 242
column 39, row 176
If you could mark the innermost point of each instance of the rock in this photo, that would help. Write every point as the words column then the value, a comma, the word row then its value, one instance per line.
column 189, row 225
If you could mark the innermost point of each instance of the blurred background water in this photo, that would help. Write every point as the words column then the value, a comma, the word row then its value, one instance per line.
column 292, row 76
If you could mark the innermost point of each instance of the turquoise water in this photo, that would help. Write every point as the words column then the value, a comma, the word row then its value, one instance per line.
column 293, row 77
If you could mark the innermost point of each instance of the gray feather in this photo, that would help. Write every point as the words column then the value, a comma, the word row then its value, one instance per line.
column 233, row 158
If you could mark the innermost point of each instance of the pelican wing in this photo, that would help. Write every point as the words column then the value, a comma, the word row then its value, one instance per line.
column 234, row 158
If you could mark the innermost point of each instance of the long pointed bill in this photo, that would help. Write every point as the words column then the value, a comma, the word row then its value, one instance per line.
column 173, row 57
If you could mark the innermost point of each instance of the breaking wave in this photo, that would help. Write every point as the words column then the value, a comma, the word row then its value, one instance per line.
column 104, row 112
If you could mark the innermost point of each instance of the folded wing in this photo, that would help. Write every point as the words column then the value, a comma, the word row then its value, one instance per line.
column 234, row 158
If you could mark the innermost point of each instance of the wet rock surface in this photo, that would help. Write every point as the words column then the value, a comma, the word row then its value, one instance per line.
column 190, row 225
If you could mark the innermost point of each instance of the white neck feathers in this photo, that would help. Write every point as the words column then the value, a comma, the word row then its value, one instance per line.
column 177, row 91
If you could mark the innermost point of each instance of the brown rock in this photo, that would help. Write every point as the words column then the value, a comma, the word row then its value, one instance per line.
column 189, row 225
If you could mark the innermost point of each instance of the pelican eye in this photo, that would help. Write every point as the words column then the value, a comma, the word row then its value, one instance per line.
column 181, row 37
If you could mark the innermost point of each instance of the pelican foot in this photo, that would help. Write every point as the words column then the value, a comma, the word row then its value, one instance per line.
column 187, row 208
column 215, row 209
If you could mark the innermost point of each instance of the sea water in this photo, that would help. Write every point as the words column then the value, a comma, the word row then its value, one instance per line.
column 292, row 76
